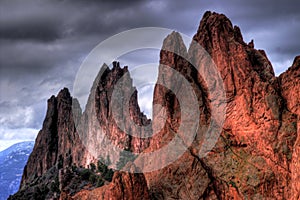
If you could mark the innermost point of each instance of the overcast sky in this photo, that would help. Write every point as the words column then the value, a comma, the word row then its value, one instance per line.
column 43, row 42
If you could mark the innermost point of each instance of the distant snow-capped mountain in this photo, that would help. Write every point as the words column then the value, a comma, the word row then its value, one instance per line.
column 12, row 162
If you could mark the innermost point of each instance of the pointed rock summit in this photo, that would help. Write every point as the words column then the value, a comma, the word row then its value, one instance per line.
column 259, row 134
column 65, row 148
column 255, row 155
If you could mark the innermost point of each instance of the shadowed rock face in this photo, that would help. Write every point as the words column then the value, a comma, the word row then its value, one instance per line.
column 256, row 156
column 57, row 142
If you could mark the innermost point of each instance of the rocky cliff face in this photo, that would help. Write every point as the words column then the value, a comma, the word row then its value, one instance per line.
column 57, row 143
column 256, row 155
column 290, row 90
column 66, row 142
column 259, row 131
column 112, row 111
column 185, row 178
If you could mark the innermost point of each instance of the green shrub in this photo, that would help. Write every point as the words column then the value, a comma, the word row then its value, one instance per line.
column 85, row 174
column 101, row 167
column 108, row 175
column 100, row 182
column 93, row 167
column 233, row 184
column 93, row 178
column 74, row 168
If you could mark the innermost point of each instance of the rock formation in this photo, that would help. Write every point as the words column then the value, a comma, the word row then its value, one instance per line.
column 259, row 131
column 112, row 111
column 256, row 155
column 125, row 185
column 57, row 143
column 66, row 141
column 290, row 91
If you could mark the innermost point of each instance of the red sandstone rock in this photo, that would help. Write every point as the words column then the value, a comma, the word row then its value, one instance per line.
column 256, row 157
column 62, row 144
column 125, row 185
column 57, row 142
column 290, row 86
column 259, row 132
column 253, row 156
column 104, row 114
column 290, row 90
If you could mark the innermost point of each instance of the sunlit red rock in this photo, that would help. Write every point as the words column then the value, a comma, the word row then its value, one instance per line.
column 290, row 90
column 253, row 156
column 256, row 156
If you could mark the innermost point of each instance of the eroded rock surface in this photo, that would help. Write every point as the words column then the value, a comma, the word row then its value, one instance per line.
column 256, row 156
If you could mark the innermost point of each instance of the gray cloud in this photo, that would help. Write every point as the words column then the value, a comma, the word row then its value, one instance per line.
column 43, row 42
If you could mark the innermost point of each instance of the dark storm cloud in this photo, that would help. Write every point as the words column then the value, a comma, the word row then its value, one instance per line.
column 39, row 35
column 35, row 30
column 33, row 20
column 43, row 42
column 50, row 20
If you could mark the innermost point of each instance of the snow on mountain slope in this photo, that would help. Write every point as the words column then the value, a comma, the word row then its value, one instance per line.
column 12, row 162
